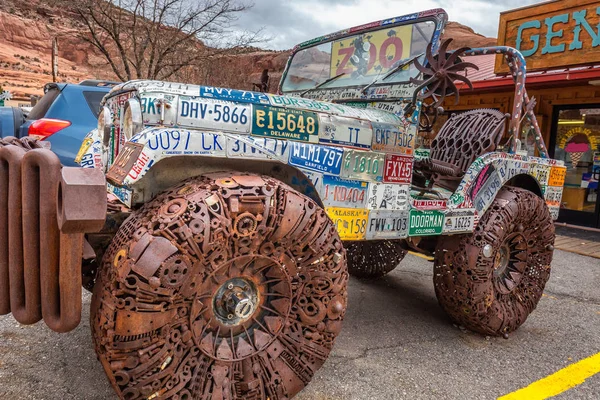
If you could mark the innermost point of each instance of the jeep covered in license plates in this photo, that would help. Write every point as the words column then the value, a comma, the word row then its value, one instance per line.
column 234, row 218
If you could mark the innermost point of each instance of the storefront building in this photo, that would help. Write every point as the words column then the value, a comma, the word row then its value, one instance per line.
column 561, row 43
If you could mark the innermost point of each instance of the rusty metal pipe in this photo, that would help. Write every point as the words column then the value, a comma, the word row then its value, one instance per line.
column 10, row 228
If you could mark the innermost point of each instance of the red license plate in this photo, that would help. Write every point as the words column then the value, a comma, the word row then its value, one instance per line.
column 398, row 169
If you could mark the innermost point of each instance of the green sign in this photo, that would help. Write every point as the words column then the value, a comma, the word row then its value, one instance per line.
column 285, row 123
column 423, row 223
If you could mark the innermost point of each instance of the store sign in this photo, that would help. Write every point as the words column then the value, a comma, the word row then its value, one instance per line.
column 556, row 34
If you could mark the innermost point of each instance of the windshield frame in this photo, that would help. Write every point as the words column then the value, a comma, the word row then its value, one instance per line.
column 438, row 16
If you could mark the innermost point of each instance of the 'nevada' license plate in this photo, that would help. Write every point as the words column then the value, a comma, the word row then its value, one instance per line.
column 350, row 223
column 316, row 158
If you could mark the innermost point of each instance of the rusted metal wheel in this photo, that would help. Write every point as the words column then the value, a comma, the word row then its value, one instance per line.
column 490, row 281
column 373, row 259
column 227, row 286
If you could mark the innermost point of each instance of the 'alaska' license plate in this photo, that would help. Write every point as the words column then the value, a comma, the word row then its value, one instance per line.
column 351, row 223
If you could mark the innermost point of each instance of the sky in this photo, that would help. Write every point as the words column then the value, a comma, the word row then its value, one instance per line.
column 288, row 22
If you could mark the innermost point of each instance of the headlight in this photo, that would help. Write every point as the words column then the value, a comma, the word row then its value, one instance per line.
column 105, row 124
column 131, row 120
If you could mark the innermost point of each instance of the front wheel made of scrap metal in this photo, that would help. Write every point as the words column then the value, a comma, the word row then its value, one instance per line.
column 373, row 259
column 227, row 286
column 491, row 280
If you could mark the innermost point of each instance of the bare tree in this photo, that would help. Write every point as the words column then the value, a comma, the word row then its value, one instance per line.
column 160, row 39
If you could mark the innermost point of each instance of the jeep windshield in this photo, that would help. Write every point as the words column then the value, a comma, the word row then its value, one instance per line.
column 360, row 59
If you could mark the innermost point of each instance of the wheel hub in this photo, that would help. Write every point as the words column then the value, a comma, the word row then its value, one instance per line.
column 235, row 301
column 510, row 263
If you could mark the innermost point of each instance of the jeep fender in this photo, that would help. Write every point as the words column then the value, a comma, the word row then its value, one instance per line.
column 158, row 158
column 490, row 172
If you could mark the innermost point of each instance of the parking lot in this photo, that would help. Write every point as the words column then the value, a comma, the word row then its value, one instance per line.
column 396, row 344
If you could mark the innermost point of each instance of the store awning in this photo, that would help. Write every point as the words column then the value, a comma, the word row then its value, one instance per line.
column 485, row 78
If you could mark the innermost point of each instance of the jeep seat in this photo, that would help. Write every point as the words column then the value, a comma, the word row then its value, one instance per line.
column 463, row 138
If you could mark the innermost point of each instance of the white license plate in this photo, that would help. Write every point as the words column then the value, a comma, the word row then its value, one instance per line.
column 214, row 114
column 345, row 131
column 363, row 165
column 385, row 224
column 262, row 148
column 388, row 196
column 338, row 192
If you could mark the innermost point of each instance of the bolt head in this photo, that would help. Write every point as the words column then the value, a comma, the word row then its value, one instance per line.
column 488, row 250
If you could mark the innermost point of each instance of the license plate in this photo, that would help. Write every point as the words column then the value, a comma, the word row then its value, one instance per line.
column 345, row 131
column 316, row 158
column 393, row 138
column 487, row 193
column 213, row 114
column 385, row 224
column 459, row 221
column 553, row 195
column 557, row 176
column 429, row 204
column 388, row 196
column 340, row 192
column 189, row 143
column 398, row 169
column 424, row 223
column 124, row 162
column 541, row 173
column 241, row 96
column 285, row 123
column 350, row 223
column 262, row 148
column 363, row 165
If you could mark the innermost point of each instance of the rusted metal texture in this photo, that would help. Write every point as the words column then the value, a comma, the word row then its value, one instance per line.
column 374, row 258
column 440, row 72
column 491, row 280
column 227, row 286
column 81, row 200
column 467, row 136
column 40, row 267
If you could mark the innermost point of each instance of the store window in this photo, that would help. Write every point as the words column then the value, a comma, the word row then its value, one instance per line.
column 577, row 143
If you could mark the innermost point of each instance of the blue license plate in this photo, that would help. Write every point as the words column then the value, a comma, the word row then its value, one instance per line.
column 316, row 158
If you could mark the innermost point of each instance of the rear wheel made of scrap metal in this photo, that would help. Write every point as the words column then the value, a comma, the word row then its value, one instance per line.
column 373, row 259
column 490, row 281
column 227, row 286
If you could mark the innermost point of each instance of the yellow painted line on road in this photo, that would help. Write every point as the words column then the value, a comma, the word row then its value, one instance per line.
column 414, row 253
column 560, row 381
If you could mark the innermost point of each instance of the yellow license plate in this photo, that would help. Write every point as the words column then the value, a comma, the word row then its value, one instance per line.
column 557, row 176
column 351, row 223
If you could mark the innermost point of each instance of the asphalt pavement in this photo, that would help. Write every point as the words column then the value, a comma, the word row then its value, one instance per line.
column 396, row 344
